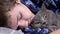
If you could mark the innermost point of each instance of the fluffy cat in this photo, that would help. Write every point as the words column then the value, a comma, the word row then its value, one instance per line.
column 46, row 18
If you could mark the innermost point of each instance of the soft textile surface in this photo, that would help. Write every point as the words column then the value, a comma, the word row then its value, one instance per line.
column 4, row 30
column 34, row 5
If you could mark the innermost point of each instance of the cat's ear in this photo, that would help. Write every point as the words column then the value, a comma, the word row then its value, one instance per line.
column 43, row 8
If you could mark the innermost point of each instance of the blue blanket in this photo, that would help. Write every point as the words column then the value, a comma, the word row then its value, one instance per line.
column 34, row 5
column 30, row 30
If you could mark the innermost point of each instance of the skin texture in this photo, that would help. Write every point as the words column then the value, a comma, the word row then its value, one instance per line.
column 56, row 32
column 20, row 16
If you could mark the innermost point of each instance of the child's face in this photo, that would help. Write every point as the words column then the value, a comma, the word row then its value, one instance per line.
column 19, row 15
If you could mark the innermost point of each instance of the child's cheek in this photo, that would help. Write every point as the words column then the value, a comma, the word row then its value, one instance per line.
column 23, row 23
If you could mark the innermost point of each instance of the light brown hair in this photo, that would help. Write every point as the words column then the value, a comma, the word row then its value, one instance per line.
column 5, row 6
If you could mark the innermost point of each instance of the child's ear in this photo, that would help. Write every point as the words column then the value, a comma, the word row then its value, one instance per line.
column 18, row 1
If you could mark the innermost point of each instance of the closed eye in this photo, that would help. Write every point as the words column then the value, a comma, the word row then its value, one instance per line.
column 19, row 17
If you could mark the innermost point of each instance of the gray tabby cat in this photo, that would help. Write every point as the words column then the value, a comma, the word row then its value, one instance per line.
column 46, row 18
